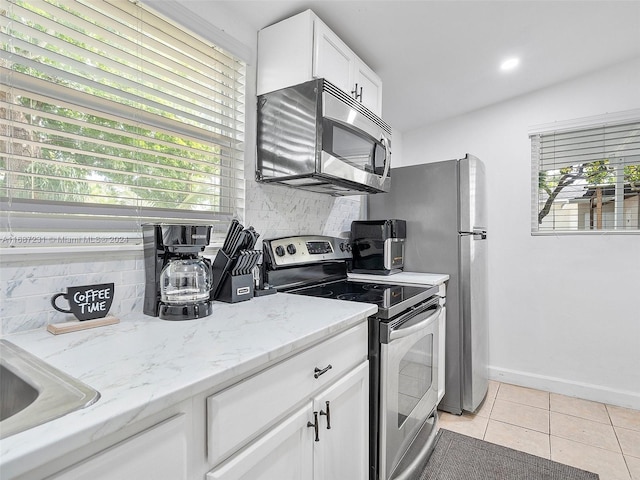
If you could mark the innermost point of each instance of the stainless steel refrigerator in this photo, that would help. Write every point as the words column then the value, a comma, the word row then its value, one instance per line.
column 444, row 204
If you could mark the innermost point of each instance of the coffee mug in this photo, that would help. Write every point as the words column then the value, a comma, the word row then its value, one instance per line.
column 87, row 302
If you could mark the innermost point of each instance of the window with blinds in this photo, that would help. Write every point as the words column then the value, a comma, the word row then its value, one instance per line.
column 113, row 117
column 587, row 179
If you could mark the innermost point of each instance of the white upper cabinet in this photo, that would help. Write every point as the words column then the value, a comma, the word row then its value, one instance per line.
column 302, row 48
column 332, row 59
column 369, row 88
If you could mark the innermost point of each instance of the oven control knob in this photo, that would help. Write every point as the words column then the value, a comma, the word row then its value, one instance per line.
column 291, row 249
column 280, row 250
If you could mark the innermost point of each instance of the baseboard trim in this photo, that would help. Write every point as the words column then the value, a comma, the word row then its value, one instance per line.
column 596, row 393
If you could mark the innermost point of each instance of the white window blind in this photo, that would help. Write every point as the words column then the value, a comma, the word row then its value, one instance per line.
column 587, row 179
column 112, row 117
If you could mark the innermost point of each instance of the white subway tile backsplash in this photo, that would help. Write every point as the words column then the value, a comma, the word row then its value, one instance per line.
column 28, row 283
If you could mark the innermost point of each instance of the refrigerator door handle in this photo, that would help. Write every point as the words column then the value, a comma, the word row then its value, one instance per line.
column 476, row 234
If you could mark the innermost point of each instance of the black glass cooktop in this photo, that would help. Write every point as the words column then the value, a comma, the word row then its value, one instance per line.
column 390, row 299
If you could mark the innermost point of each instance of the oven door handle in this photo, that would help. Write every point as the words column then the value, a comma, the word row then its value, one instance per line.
column 414, row 325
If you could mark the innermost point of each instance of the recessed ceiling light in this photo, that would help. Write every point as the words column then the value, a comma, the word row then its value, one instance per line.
column 509, row 64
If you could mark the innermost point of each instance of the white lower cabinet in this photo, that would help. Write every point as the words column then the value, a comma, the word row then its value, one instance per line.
column 158, row 453
column 325, row 440
column 342, row 451
column 306, row 418
column 284, row 452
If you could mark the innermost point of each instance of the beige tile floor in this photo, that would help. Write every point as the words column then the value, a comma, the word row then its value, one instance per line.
column 593, row 436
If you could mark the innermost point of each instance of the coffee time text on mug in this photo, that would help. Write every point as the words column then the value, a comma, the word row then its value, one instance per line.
column 92, row 300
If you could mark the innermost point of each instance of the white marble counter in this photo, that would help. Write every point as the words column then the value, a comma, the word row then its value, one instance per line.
column 404, row 278
column 144, row 365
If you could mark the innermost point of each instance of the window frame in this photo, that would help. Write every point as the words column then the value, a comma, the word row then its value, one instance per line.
column 20, row 216
column 576, row 126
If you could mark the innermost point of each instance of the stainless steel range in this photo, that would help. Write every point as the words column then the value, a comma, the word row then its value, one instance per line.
column 403, row 346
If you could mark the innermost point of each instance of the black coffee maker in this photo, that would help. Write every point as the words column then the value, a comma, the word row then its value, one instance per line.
column 178, row 279
column 378, row 246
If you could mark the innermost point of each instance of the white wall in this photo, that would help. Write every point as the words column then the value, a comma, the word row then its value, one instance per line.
column 564, row 310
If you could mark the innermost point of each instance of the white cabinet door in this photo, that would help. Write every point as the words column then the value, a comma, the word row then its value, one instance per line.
column 332, row 59
column 335, row 61
column 159, row 453
column 343, row 450
column 368, row 87
column 284, row 452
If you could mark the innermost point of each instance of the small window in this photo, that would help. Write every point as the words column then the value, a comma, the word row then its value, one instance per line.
column 587, row 179
column 112, row 117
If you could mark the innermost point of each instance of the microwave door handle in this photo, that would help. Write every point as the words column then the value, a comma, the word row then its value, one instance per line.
column 385, row 174
column 409, row 328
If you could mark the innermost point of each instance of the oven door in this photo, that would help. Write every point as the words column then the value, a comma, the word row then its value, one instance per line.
column 409, row 354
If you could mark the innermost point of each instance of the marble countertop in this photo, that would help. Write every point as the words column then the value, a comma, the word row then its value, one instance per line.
column 404, row 278
column 144, row 365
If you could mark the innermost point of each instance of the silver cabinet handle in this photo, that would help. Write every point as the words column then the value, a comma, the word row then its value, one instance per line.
column 319, row 372
column 314, row 425
column 328, row 414
column 355, row 93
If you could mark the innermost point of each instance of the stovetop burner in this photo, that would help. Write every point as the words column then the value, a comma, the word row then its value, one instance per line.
column 390, row 299
column 316, row 266
column 361, row 297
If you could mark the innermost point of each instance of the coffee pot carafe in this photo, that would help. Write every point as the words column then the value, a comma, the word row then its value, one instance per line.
column 178, row 278
column 185, row 280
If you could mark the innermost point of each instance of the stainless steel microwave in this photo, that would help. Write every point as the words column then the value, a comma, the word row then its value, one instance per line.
column 315, row 137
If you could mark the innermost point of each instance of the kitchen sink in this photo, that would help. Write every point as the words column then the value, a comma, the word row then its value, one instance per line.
column 32, row 392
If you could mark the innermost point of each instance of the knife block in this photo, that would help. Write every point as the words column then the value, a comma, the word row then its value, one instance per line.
column 226, row 287
column 236, row 288
column 221, row 269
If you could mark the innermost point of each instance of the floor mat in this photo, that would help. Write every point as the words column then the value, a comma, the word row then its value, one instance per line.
column 459, row 457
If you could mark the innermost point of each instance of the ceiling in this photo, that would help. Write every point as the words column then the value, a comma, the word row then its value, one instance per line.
column 440, row 58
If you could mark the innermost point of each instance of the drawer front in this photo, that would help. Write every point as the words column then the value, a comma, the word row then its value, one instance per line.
column 243, row 411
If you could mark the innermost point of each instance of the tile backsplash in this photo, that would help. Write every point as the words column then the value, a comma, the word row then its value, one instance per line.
column 27, row 282
column 277, row 211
